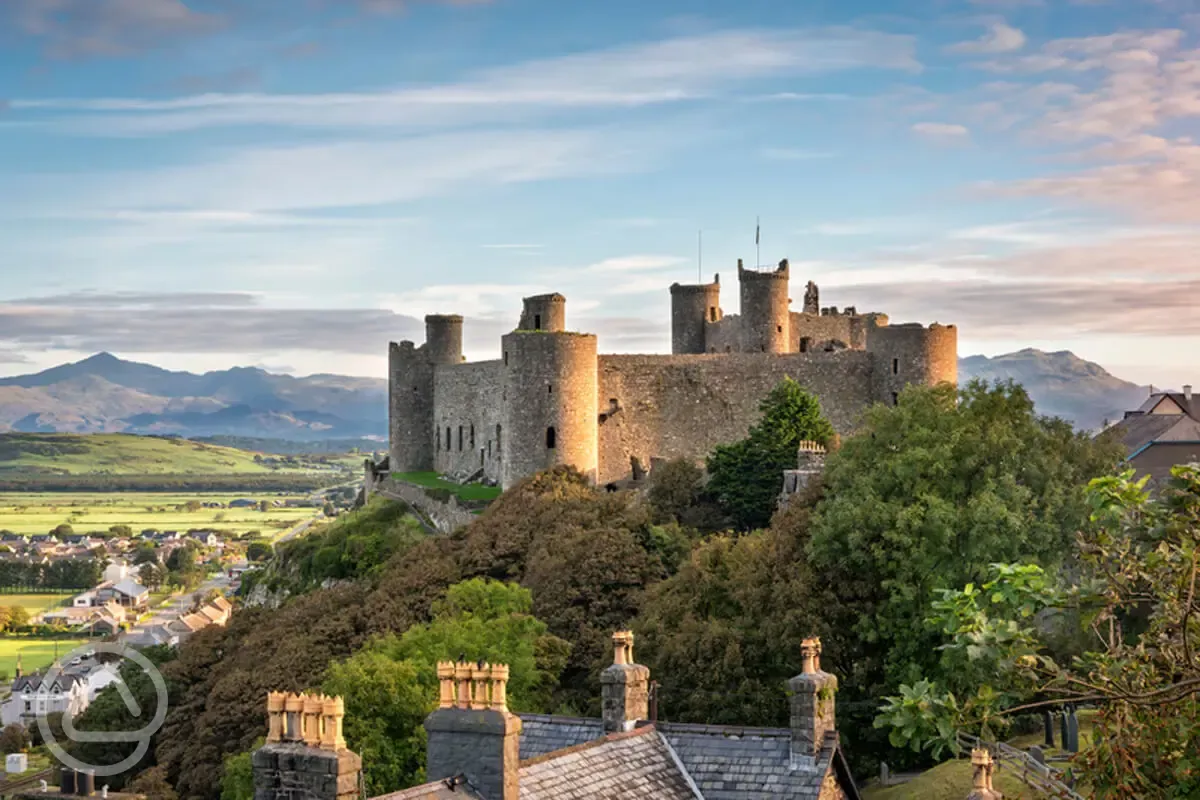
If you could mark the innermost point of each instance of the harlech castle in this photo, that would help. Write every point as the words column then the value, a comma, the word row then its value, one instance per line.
column 552, row 398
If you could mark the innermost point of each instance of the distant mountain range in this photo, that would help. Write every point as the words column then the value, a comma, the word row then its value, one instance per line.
column 1061, row 384
column 105, row 394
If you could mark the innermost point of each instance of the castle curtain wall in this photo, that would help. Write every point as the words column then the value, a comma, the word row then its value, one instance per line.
column 466, row 396
column 682, row 406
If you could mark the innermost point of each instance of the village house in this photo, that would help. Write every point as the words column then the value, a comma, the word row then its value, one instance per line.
column 1162, row 433
column 478, row 749
column 32, row 696
column 127, row 593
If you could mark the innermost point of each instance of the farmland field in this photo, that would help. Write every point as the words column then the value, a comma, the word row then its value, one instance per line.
column 87, row 512
column 121, row 454
column 37, row 603
column 35, row 653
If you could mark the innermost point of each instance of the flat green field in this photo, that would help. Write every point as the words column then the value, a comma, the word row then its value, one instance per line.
column 85, row 512
column 121, row 454
column 36, row 603
column 470, row 491
column 35, row 653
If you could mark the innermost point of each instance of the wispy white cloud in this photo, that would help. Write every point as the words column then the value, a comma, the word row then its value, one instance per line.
column 346, row 174
column 999, row 38
column 666, row 71
column 941, row 131
column 793, row 154
column 85, row 28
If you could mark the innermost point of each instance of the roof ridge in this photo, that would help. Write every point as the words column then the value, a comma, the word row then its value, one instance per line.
column 612, row 737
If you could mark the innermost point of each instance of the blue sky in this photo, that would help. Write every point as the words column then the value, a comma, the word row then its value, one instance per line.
column 292, row 183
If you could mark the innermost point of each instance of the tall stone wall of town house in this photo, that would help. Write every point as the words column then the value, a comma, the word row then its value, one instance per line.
column 682, row 406
column 467, row 402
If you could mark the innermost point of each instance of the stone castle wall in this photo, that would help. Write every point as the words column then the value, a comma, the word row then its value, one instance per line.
column 682, row 406
column 468, row 412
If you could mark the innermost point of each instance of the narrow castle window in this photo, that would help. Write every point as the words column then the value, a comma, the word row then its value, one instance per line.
column 506, row 358
column 779, row 329
column 895, row 366
column 895, row 398
column 497, row 440
column 447, row 438
column 551, row 438
column 712, row 313
column 437, row 439
column 549, row 388
column 537, row 322
column 472, row 436
column 460, row 438
column 804, row 343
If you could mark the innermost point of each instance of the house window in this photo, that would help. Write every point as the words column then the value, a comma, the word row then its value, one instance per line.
column 895, row 366
column 895, row 398
column 460, row 438
column 551, row 438
column 537, row 322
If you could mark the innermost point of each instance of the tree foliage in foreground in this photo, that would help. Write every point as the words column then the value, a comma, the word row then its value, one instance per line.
column 1138, row 594
column 746, row 477
column 391, row 685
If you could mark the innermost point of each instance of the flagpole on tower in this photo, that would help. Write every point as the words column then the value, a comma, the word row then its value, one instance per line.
column 757, row 242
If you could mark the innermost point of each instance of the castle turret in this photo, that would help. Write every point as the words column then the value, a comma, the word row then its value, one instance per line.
column 550, row 388
column 410, row 408
column 765, row 316
column 693, row 307
column 443, row 338
column 544, row 312
column 912, row 353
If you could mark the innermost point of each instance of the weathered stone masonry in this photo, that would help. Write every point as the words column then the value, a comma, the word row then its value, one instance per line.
column 552, row 399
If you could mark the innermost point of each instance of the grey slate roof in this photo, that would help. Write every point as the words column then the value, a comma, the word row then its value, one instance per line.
column 732, row 763
column 437, row 790
column 631, row 766
column 543, row 733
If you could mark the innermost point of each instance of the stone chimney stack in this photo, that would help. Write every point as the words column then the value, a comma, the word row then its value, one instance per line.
column 813, row 722
column 1187, row 392
column 625, row 688
column 472, row 733
column 982, row 761
column 305, row 754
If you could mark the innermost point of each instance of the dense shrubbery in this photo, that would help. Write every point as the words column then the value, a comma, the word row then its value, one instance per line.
column 72, row 573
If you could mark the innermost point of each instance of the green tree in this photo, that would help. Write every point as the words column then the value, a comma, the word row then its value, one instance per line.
column 14, row 738
column 63, row 530
column 151, row 575
column 153, row 785
column 145, row 553
column 18, row 616
column 676, row 494
column 258, row 551
column 390, row 686
column 121, row 530
column 237, row 777
column 746, row 477
column 1136, row 585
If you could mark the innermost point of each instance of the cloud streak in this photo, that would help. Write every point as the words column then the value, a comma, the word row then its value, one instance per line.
column 105, row 28
column 655, row 73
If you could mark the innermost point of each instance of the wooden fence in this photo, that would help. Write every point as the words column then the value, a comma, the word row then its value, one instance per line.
column 1026, row 768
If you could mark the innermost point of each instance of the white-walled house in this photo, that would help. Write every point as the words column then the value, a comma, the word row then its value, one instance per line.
column 31, row 696
column 118, row 570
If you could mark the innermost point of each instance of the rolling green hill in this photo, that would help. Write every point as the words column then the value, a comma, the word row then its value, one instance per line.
column 121, row 454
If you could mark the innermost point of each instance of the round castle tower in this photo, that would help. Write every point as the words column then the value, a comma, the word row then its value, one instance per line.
column 544, row 312
column 693, row 306
column 550, row 388
column 911, row 353
column 410, row 409
column 765, row 316
column 443, row 338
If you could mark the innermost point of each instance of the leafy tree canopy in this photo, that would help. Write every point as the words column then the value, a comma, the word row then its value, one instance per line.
column 746, row 476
